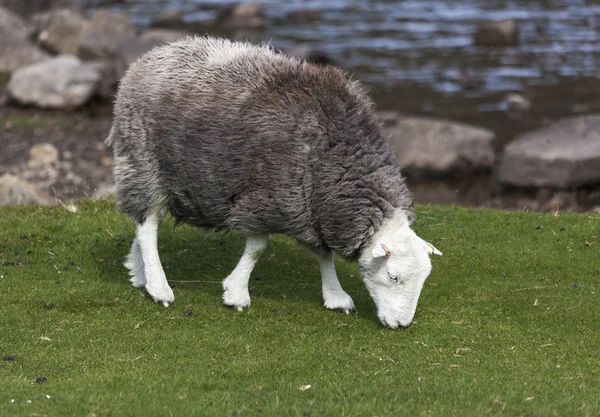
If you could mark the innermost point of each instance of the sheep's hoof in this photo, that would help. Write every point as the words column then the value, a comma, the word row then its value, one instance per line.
column 345, row 310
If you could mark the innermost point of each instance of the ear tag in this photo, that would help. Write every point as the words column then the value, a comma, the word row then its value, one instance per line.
column 381, row 250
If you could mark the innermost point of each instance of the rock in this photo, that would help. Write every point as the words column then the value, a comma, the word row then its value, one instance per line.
column 168, row 19
column 304, row 15
column 16, row 50
column 247, row 15
column 27, row 8
column 562, row 201
column 59, row 82
column 42, row 155
column 564, row 154
column 131, row 49
column 516, row 103
column 14, row 191
column 102, row 39
column 435, row 147
column 309, row 54
column 60, row 30
column 109, row 78
column 497, row 33
column 162, row 36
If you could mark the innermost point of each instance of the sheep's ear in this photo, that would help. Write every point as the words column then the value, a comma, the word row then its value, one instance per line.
column 381, row 250
column 432, row 249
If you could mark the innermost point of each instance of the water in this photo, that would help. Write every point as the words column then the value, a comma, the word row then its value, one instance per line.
column 430, row 42
column 415, row 55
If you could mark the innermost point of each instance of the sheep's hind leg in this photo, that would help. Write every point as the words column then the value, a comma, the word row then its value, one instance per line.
column 236, row 295
column 135, row 264
column 334, row 296
column 156, row 281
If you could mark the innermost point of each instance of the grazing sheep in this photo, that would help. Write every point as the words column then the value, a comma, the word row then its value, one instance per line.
column 237, row 136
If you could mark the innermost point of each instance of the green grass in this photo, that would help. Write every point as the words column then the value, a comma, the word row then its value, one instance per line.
column 508, row 323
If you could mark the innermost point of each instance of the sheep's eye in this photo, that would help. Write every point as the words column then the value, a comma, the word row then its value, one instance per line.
column 393, row 277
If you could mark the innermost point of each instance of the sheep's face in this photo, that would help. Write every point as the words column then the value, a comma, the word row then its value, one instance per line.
column 394, row 269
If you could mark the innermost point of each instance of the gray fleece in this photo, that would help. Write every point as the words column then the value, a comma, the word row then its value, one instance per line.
column 238, row 136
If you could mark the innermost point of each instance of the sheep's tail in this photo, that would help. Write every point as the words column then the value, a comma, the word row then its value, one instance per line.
column 111, row 136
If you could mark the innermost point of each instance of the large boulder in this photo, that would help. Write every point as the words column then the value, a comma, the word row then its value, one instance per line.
column 103, row 38
column 438, row 147
column 16, row 50
column 15, row 191
column 60, row 82
column 564, row 154
column 60, row 30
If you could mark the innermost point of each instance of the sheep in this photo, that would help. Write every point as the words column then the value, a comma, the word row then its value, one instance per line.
column 240, row 137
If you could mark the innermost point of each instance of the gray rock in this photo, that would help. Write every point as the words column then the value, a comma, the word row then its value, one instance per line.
column 435, row 147
column 15, row 191
column 131, row 49
column 60, row 30
column 42, row 155
column 304, row 15
column 516, row 103
column 59, row 82
column 564, row 154
column 16, row 50
column 497, row 33
column 109, row 78
column 310, row 54
column 103, row 38
column 161, row 36
column 247, row 15
column 168, row 19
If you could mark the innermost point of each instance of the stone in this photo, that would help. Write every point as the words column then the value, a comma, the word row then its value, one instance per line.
column 247, row 15
column 109, row 78
column 516, row 103
column 60, row 30
column 168, row 19
column 304, row 15
column 15, row 191
column 162, row 36
column 562, row 155
column 438, row 147
column 60, row 82
column 497, row 33
column 307, row 53
column 102, row 39
column 16, row 49
column 131, row 49
column 42, row 155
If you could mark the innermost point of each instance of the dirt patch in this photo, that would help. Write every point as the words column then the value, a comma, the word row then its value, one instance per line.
column 84, row 166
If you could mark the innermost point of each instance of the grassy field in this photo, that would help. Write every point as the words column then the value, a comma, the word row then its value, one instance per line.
column 508, row 323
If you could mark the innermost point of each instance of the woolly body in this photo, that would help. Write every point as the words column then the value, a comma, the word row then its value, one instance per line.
column 240, row 137
column 237, row 136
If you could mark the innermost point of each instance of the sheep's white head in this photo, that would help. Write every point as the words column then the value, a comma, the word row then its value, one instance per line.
column 394, row 268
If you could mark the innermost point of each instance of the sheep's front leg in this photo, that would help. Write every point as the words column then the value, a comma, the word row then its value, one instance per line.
column 146, row 254
column 236, row 293
column 334, row 296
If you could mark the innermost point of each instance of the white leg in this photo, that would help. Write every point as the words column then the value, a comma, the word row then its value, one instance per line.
column 135, row 264
column 156, row 281
column 236, row 293
column 334, row 296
